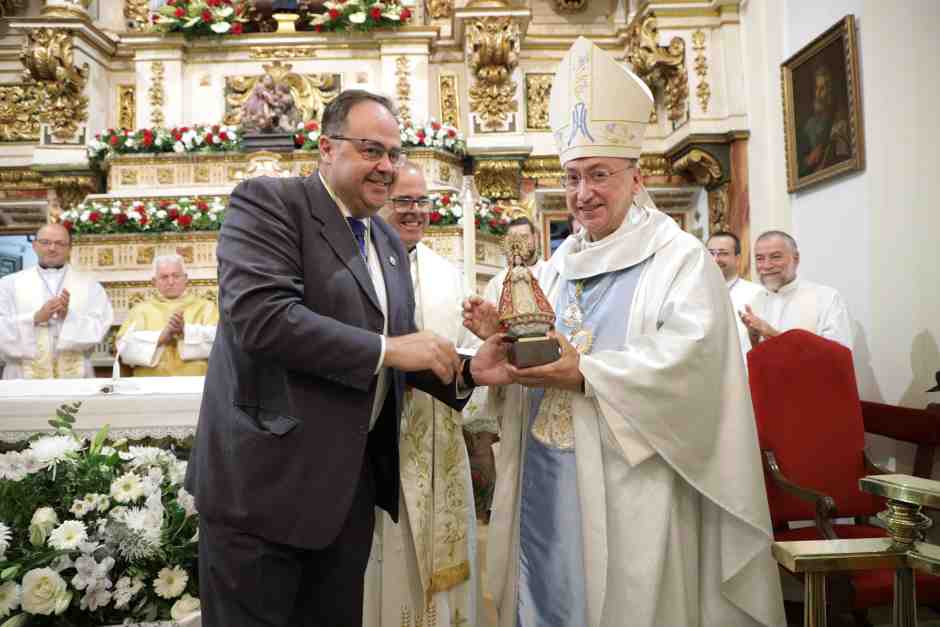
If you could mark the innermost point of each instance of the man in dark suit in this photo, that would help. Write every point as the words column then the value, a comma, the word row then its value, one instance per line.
column 298, row 431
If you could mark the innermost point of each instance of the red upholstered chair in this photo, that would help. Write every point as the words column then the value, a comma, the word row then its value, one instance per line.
column 812, row 437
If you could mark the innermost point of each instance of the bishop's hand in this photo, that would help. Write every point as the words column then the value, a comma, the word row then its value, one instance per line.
column 565, row 373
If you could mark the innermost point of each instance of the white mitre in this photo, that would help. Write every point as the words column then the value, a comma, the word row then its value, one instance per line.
column 598, row 107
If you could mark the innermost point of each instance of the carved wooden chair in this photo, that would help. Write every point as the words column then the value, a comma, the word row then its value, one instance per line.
column 812, row 437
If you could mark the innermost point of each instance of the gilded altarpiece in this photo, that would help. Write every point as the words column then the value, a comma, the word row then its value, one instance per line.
column 311, row 92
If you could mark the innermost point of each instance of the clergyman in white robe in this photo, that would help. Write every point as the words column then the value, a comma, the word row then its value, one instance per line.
column 658, row 516
column 59, row 349
column 809, row 306
column 431, row 552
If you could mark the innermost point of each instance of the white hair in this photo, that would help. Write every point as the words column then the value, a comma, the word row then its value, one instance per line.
column 164, row 259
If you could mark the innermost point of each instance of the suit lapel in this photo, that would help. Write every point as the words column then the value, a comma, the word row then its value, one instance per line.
column 337, row 234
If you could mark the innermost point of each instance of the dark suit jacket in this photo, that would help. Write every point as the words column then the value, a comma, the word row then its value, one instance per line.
column 284, row 423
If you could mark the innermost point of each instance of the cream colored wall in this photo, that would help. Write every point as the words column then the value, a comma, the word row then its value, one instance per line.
column 873, row 235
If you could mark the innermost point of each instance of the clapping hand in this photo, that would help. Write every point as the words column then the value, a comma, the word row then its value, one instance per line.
column 173, row 329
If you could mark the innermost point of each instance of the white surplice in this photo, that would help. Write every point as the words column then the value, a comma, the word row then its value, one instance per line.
column 59, row 348
column 742, row 293
column 675, row 524
column 432, row 551
column 809, row 306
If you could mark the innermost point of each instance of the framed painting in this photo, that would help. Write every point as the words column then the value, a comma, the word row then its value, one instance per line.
column 822, row 108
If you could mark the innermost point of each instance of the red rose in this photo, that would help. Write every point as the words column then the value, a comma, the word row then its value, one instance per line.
column 493, row 222
column 405, row 14
column 165, row 203
column 299, row 139
column 237, row 28
column 184, row 129
column 177, row 135
column 214, row 3
column 435, row 217
column 94, row 216
column 375, row 13
column 171, row 2
column 311, row 125
column 114, row 140
column 209, row 138
column 207, row 16
column 173, row 213
column 68, row 225
column 120, row 218
column 451, row 133
column 436, row 126
column 203, row 206
column 223, row 136
column 334, row 14
column 445, row 200
column 180, row 12
column 318, row 28
column 185, row 221
column 143, row 219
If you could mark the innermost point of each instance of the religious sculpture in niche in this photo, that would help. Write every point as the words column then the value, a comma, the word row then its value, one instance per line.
column 278, row 93
column 660, row 67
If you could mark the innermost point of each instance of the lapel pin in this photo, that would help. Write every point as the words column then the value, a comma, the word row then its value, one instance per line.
column 392, row 260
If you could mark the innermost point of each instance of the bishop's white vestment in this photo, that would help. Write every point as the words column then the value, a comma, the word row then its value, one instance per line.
column 742, row 293
column 640, row 503
column 803, row 305
column 58, row 349
column 431, row 552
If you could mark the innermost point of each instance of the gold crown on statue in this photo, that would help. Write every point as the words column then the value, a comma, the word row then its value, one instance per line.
column 516, row 244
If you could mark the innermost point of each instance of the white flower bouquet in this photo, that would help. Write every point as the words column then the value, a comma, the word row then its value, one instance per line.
column 433, row 134
column 94, row 534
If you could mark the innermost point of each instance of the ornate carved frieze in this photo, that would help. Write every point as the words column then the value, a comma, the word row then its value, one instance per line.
column 543, row 169
column 20, row 104
column 494, row 55
column 48, row 57
column 661, row 67
column 137, row 13
column 66, row 8
column 403, row 88
column 127, row 106
column 311, row 92
column 498, row 179
column 538, row 87
column 69, row 192
column 282, row 52
column 440, row 9
column 703, row 91
column 156, row 93
column 569, row 6
column 655, row 165
column 450, row 101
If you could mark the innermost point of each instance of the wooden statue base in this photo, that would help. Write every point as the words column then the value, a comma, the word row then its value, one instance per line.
column 534, row 351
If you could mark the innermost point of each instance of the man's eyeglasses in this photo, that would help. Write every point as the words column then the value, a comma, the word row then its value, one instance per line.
column 50, row 243
column 594, row 178
column 407, row 204
column 374, row 151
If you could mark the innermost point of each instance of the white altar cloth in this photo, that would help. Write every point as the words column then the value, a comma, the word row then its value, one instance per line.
column 134, row 407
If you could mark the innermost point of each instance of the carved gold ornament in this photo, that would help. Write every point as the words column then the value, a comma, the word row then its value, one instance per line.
column 703, row 91
column 156, row 94
column 569, row 6
column 48, row 57
column 543, row 169
column 70, row 191
column 702, row 166
column 127, row 106
column 66, row 8
column 494, row 47
column 440, row 9
column 137, row 14
column 655, row 165
column 311, row 92
column 498, row 179
column 282, row 52
column 450, row 102
column 538, row 87
column 403, row 89
column 19, row 112
column 662, row 66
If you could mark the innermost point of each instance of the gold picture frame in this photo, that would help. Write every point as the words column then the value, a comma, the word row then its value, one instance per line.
column 822, row 108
